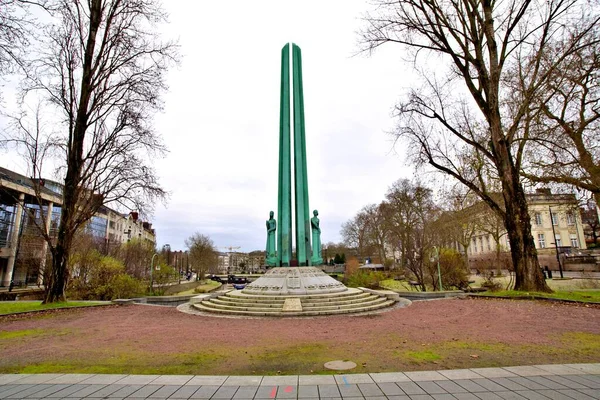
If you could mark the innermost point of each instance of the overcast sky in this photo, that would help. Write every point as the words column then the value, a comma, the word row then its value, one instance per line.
column 221, row 117
column 221, row 120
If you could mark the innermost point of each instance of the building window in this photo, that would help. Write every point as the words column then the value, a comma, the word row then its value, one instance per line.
column 541, row 240
column 554, row 217
column 557, row 240
column 538, row 219
column 570, row 218
column 574, row 242
column 488, row 243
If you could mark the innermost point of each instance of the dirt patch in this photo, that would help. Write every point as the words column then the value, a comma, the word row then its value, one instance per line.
column 427, row 335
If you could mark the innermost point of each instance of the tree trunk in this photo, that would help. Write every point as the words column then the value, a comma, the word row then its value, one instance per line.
column 528, row 275
column 55, row 287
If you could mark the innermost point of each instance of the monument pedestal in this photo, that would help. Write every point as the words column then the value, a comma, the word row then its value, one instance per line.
column 294, row 281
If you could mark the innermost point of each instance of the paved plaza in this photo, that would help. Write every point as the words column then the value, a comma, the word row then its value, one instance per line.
column 557, row 381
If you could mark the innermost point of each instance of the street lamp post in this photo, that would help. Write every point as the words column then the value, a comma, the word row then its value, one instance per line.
column 437, row 255
column 152, row 269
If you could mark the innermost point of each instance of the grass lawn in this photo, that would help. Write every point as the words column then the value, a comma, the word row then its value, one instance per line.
column 586, row 296
column 203, row 287
column 10, row 307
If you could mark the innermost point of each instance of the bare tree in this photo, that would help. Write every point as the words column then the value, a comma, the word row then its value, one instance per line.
column 355, row 233
column 411, row 213
column 102, row 67
column 202, row 253
column 564, row 122
column 466, row 108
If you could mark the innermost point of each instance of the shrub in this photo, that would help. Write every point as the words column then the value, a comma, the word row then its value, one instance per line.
column 104, row 279
column 368, row 279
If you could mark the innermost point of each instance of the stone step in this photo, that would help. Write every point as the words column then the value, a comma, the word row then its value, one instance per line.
column 212, row 304
column 376, row 300
column 230, row 302
column 268, row 313
column 241, row 294
column 281, row 300
column 344, row 300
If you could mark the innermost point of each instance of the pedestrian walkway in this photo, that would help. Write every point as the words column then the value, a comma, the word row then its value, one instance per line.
column 560, row 381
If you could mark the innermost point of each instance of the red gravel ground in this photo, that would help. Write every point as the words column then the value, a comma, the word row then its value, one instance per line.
column 426, row 335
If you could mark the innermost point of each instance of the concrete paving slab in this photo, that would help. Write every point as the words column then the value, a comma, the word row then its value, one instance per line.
column 69, row 390
column 107, row 390
column 528, row 383
column 203, row 380
column 451, row 387
column 410, row 388
column 553, row 394
column 9, row 378
column 508, row 384
column 71, row 378
column 15, row 389
column 586, row 382
column 164, row 392
column 205, row 392
column 280, row 380
column 184, row 392
column 86, row 391
column 137, row 380
column 578, row 395
column 353, row 378
column 527, row 370
column 123, row 392
column 532, row 395
column 243, row 381
column 103, row 379
column 390, row 389
column 266, row 392
column 460, row 374
column 470, row 386
column 308, row 391
column 489, row 396
column 586, row 368
column 49, row 392
column 370, row 398
column 431, row 387
column 369, row 390
column 350, row 390
column 563, row 380
column 382, row 377
column 443, row 396
column 403, row 397
column 493, row 372
column 590, row 392
column 172, row 380
column 225, row 392
column 465, row 396
column 489, row 384
column 508, row 395
column 421, row 397
column 558, row 369
column 329, row 391
column 20, row 394
column 287, row 392
column 246, row 392
column 144, row 392
column 316, row 380
column 547, row 383
column 39, row 378
column 417, row 376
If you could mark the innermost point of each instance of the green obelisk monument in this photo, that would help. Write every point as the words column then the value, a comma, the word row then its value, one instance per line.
column 284, row 205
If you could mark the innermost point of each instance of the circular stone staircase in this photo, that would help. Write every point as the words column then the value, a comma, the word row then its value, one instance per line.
column 293, row 292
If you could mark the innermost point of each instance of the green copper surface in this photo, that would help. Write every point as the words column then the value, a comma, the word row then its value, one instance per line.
column 304, row 225
column 284, row 207
column 303, row 252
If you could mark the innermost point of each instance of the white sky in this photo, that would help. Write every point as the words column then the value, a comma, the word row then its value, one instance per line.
column 221, row 117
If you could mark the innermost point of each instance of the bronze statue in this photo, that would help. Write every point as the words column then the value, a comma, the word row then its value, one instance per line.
column 316, row 258
column 271, row 256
